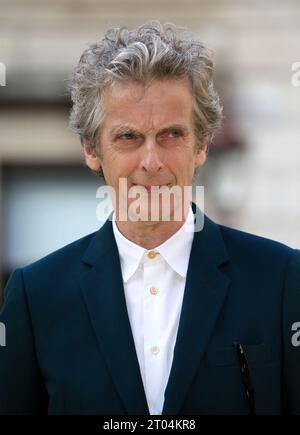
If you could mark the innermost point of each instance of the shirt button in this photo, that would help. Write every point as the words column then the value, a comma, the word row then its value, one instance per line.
column 152, row 254
column 153, row 290
column 155, row 350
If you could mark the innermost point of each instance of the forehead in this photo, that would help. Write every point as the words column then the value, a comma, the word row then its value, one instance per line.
column 149, row 105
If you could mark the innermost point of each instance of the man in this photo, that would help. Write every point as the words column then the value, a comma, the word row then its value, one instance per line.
column 145, row 316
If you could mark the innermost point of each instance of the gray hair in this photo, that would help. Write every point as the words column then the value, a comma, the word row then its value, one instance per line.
column 151, row 51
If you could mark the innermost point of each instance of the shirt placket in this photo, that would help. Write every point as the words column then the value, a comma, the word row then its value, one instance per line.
column 153, row 349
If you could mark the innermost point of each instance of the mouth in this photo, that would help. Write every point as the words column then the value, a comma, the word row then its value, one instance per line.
column 149, row 186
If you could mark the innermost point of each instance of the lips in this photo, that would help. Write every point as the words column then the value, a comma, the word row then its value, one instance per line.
column 148, row 186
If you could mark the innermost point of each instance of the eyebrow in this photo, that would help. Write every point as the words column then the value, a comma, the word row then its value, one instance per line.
column 181, row 127
column 125, row 128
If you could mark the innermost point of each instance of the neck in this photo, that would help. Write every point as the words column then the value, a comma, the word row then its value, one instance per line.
column 149, row 234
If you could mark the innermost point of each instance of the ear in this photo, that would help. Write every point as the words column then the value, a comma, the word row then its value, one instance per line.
column 200, row 156
column 91, row 159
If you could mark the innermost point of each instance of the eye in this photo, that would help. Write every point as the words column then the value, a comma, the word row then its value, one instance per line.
column 128, row 140
column 175, row 133
column 128, row 136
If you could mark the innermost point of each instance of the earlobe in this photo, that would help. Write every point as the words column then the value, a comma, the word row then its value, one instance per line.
column 200, row 157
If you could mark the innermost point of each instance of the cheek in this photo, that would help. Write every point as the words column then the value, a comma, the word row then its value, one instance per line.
column 182, row 165
column 121, row 165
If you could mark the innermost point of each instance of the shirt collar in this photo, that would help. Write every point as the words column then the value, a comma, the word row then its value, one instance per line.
column 130, row 253
column 175, row 250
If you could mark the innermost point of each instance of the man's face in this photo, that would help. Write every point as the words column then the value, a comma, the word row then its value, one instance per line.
column 147, row 135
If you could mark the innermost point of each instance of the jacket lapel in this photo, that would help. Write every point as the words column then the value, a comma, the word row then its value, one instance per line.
column 205, row 291
column 102, row 287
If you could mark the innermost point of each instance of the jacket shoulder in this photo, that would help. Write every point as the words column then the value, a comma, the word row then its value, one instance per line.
column 252, row 246
column 62, row 258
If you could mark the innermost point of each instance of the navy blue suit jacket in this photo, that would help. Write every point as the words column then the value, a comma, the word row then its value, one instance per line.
column 69, row 347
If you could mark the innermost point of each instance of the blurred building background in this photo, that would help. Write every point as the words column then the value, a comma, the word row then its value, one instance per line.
column 252, row 176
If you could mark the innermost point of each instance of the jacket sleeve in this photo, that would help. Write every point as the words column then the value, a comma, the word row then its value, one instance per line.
column 291, row 337
column 22, row 390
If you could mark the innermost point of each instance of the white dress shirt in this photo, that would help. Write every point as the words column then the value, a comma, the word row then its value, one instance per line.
column 154, row 282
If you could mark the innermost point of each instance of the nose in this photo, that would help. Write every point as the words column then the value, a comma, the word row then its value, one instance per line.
column 150, row 157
